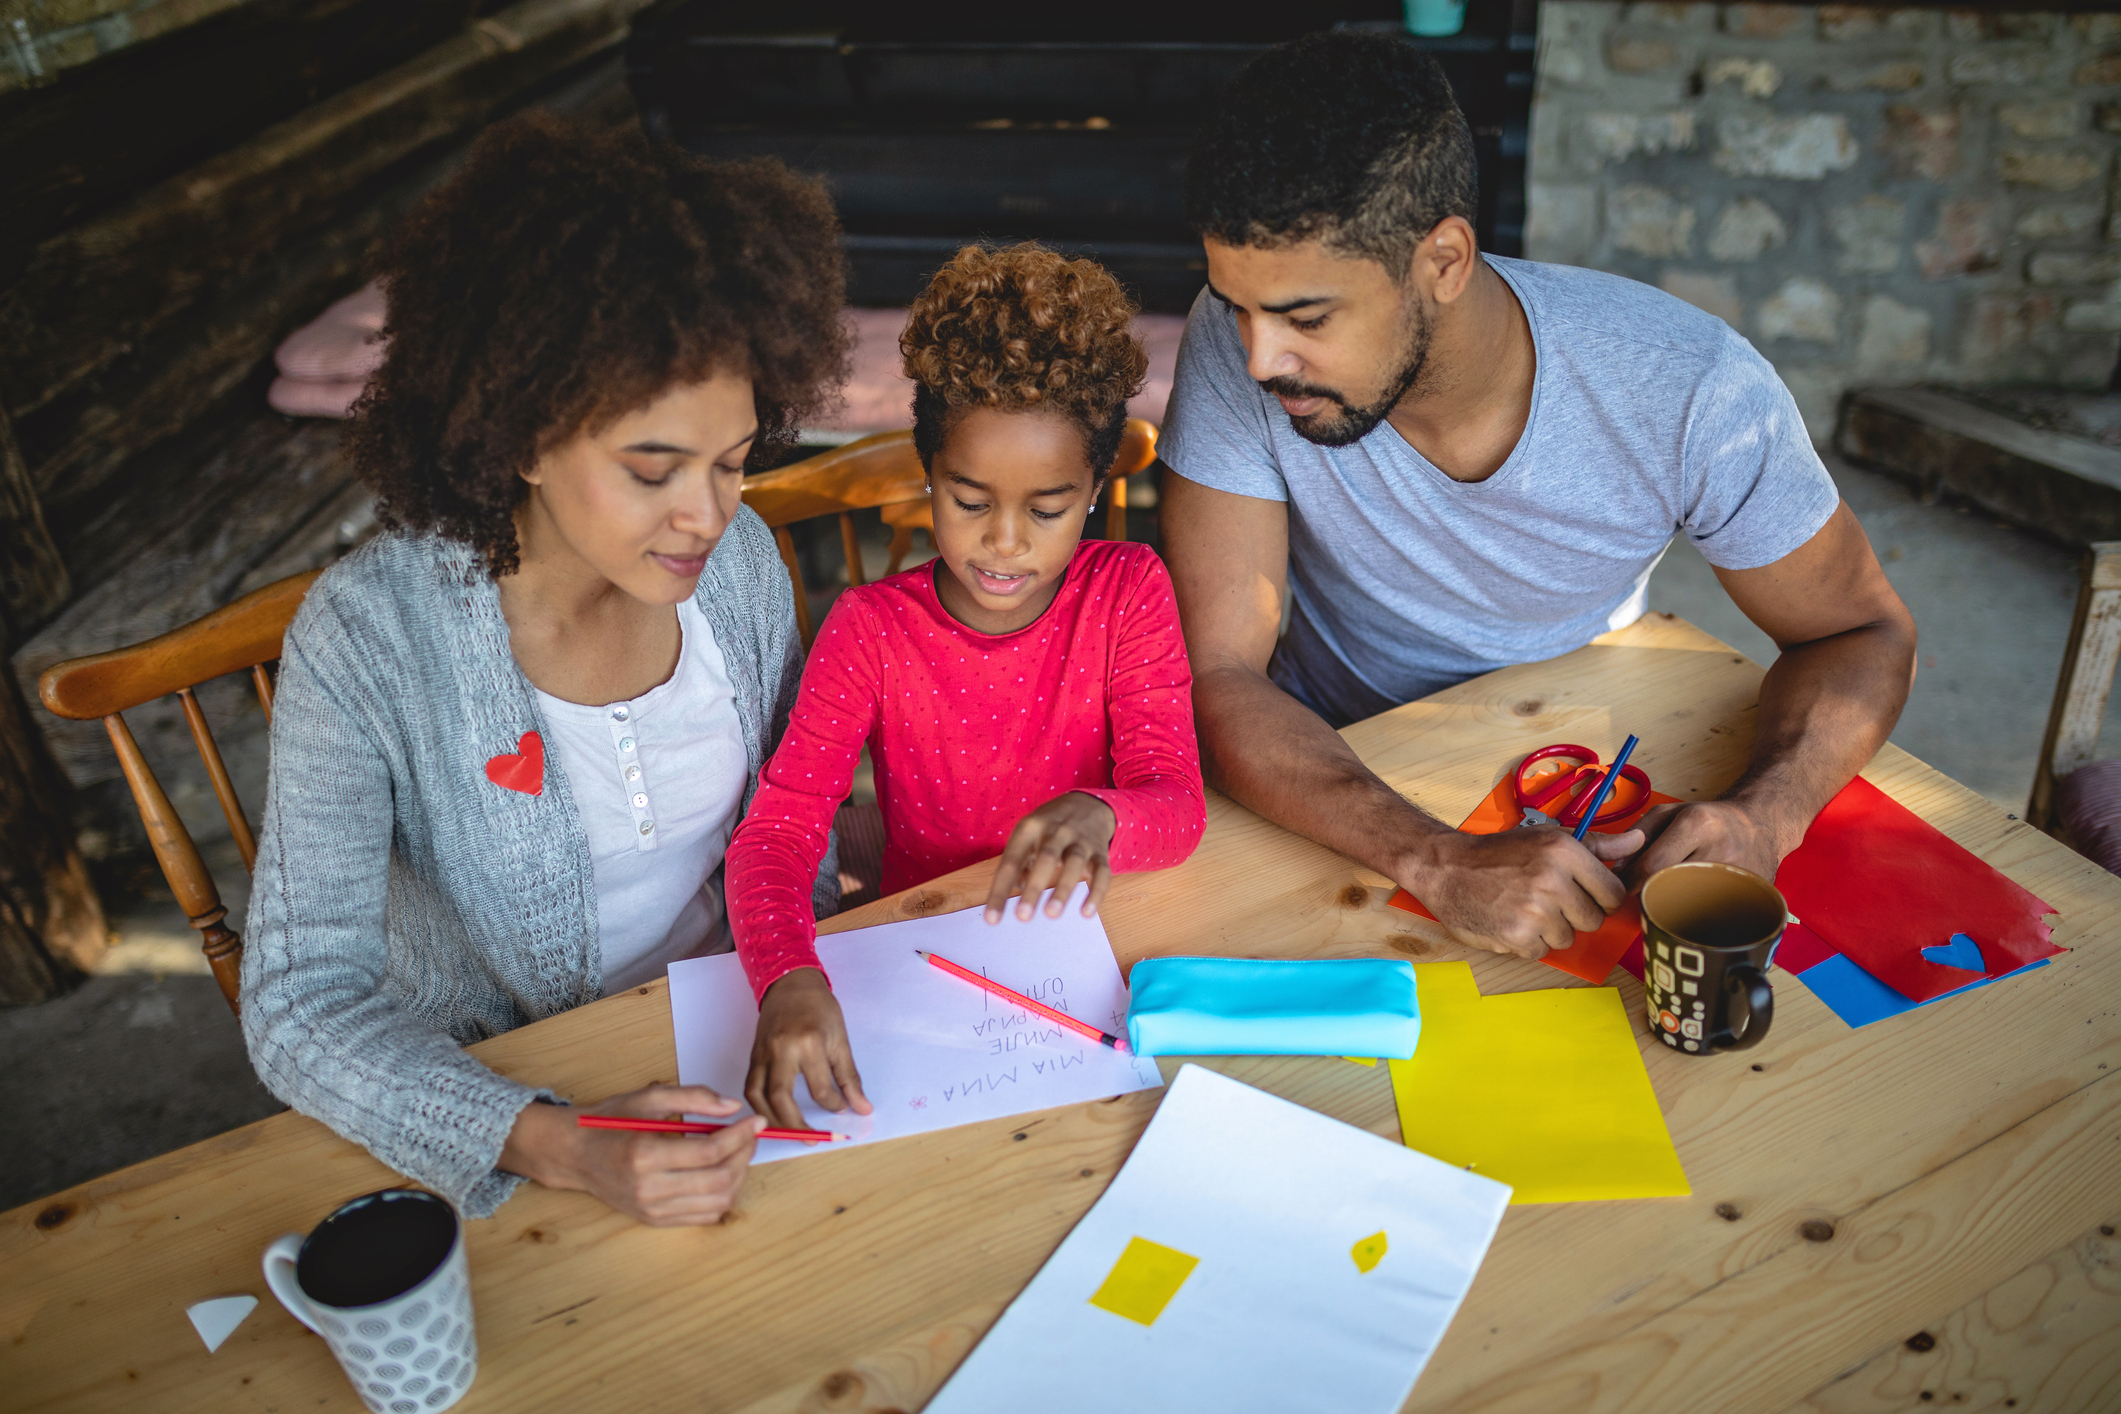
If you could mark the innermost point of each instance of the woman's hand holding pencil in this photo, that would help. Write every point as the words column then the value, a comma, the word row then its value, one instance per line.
column 663, row 1179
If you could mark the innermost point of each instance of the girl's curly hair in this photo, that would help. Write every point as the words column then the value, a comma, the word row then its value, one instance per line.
column 1024, row 328
column 564, row 277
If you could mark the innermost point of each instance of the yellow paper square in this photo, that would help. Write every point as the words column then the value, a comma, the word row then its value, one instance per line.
column 1143, row 1281
column 1545, row 1091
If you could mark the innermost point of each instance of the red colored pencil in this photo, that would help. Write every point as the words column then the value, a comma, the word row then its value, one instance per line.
column 686, row 1126
column 1081, row 1028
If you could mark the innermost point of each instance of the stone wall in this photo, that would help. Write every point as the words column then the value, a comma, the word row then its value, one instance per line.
column 1871, row 195
column 39, row 39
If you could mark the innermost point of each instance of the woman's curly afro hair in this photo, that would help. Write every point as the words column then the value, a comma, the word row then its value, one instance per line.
column 564, row 277
column 1024, row 328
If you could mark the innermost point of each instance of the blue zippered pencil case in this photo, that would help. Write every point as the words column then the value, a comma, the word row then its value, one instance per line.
column 1229, row 1006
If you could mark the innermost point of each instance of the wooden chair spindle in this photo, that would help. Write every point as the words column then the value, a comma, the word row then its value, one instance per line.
column 852, row 544
column 217, row 771
column 782, row 538
column 181, row 864
column 262, row 680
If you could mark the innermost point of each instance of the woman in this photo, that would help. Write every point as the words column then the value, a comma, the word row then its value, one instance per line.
column 512, row 737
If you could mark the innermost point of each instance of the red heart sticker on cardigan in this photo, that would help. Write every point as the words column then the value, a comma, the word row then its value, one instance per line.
column 524, row 771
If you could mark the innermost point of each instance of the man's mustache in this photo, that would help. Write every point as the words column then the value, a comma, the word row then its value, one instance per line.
column 1290, row 388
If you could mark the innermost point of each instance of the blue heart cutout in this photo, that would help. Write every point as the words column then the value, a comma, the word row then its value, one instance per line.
column 1961, row 951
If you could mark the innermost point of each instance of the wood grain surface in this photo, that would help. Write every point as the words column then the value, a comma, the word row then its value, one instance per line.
column 2049, row 1338
column 1850, row 1187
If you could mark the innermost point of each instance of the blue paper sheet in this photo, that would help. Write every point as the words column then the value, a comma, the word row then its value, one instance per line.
column 1860, row 999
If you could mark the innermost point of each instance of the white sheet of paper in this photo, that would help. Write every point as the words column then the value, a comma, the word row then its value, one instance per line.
column 934, row 1050
column 1272, row 1199
column 216, row 1320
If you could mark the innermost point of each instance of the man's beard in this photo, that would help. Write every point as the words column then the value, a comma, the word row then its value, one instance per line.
column 1341, row 424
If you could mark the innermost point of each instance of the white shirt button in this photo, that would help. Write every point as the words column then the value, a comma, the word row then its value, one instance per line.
column 647, row 825
column 633, row 773
column 639, row 801
column 620, row 713
column 625, row 743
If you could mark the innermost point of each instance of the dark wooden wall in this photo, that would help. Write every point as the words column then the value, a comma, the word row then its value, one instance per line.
column 174, row 211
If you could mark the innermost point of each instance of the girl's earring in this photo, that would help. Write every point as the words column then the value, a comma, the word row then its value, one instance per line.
column 927, row 488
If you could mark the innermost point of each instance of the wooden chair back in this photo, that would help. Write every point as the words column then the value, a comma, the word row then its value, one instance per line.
column 884, row 471
column 243, row 635
column 2087, row 679
column 880, row 470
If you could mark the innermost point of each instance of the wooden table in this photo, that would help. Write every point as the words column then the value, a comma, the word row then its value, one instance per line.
column 1926, row 1176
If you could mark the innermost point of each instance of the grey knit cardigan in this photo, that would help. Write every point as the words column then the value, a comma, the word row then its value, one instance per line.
column 403, row 904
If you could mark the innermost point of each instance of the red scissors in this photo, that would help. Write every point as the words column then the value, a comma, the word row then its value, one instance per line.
column 1555, row 783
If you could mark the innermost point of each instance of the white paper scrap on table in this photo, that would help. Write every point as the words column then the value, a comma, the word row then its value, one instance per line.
column 934, row 1051
column 216, row 1320
column 1283, row 1261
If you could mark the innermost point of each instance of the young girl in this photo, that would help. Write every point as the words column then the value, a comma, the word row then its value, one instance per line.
column 1023, row 694
column 514, row 735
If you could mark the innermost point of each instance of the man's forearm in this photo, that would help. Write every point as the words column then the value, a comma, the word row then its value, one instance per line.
column 1825, row 709
column 1269, row 753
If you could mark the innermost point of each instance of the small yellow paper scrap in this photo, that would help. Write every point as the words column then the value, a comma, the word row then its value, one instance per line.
column 1370, row 1061
column 1369, row 1252
column 1143, row 1281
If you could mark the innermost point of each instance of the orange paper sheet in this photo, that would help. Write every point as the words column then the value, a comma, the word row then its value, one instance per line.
column 1594, row 954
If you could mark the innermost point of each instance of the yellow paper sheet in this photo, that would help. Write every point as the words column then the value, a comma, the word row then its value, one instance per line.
column 1544, row 1091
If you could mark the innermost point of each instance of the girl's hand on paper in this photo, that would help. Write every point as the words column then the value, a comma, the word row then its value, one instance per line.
column 663, row 1180
column 801, row 1032
column 1064, row 842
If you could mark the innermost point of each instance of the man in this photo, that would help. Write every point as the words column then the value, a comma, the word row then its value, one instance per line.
column 1450, row 463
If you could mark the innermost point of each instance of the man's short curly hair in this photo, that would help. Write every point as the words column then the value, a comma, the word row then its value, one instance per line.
column 1350, row 138
column 1024, row 328
column 564, row 277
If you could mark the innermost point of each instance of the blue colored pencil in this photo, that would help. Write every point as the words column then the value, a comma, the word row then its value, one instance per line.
column 1605, row 788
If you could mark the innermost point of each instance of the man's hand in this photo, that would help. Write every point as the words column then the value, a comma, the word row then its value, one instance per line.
column 1522, row 891
column 801, row 1032
column 1061, row 844
column 1719, row 830
column 663, row 1180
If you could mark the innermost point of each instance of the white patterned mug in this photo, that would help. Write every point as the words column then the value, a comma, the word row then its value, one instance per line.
column 384, row 1281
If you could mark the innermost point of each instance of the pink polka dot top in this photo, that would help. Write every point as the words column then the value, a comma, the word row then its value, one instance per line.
column 970, row 732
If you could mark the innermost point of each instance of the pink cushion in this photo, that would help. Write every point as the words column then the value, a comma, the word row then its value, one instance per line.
column 2088, row 801
column 299, row 397
column 344, row 342
column 879, row 398
column 325, row 363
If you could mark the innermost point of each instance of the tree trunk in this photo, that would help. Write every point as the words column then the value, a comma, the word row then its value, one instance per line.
column 33, row 579
column 51, row 925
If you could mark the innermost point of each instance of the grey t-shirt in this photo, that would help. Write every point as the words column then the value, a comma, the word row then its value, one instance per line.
column 1648, row 417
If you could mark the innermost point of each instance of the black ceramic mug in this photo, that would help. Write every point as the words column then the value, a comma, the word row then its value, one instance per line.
column 1708, row 933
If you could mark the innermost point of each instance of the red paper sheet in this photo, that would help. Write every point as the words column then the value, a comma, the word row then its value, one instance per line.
column 1879, row 884
column 1592, row 955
